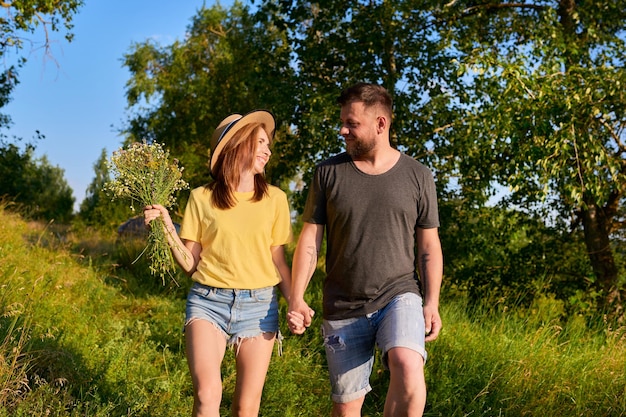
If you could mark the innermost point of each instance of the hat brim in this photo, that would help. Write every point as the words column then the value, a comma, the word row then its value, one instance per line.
column 234, row 124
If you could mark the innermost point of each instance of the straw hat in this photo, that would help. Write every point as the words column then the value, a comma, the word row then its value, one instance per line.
column 230, row 125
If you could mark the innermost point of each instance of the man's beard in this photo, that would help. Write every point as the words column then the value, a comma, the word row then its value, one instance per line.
column 358, row 148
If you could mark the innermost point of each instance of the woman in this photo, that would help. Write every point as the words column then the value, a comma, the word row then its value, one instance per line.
column 231, row 244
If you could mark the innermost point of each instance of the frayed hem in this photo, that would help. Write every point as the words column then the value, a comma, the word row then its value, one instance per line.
column 195, row 319
column 278, row 339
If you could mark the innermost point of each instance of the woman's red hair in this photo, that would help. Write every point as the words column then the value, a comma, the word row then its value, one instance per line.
column 237, row 156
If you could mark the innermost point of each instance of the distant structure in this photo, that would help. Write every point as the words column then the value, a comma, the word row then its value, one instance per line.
column 135, row 228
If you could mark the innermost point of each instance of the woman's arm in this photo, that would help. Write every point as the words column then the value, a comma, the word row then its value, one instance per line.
column 187, row 253
column 280, row 261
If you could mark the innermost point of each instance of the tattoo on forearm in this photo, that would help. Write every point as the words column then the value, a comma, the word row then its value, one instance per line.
column 312, row 252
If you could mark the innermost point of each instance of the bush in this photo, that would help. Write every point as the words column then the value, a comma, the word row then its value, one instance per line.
column 37, row 188
column 497, row 254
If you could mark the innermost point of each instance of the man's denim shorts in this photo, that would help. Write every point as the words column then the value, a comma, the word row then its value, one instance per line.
column 238, row 314
column 350, row 343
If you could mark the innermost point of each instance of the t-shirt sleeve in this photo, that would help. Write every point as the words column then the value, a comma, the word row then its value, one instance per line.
column 315, row 206
column 190, row 226
column 428, row 211
column 281, row 232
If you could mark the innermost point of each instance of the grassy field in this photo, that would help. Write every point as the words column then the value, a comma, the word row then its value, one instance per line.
column 84, row 332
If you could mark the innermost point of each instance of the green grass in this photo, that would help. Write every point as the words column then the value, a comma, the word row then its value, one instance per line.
column 85, row 332
column 526, row 363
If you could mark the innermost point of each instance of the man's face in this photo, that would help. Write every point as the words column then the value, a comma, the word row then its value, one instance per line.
column 358, row 127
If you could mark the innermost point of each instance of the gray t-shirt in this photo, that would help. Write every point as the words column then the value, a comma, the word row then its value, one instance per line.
column 370, row 229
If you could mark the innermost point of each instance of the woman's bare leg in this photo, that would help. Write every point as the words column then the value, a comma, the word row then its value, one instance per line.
column 253, row 359
column 206, row 346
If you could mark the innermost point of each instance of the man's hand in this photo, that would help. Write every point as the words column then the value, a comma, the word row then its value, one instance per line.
column 299, row 317
column 432, row 322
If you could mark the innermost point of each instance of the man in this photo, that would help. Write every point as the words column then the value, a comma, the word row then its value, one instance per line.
column 379, row 209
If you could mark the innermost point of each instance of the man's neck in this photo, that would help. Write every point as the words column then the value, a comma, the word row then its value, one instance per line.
column 378, row 161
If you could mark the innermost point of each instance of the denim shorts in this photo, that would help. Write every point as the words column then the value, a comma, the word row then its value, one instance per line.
column 350, row 343
column 238, row 314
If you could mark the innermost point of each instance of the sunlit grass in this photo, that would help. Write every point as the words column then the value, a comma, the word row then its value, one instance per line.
column 83, row 332
column 526, row 363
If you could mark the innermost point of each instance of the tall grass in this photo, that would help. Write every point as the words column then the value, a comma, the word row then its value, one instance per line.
column 15, row 325
column 529, row 362
column 83, row 332
column 14, row 363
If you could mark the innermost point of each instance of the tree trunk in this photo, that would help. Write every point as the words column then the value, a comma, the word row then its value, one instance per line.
column 596, row 222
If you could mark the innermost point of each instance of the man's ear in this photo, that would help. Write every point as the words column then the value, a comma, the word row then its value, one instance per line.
column 381, row 124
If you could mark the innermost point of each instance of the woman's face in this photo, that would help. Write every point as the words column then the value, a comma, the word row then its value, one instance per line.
column 262, row 152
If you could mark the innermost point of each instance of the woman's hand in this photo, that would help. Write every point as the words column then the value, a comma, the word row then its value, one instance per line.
column 299, row 317
column 155, row 211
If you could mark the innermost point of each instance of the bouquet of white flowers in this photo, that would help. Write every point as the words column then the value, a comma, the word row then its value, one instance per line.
column 143, row 173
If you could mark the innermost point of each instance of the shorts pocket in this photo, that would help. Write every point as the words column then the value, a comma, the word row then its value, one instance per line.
column 264, row 295
column 202, row 291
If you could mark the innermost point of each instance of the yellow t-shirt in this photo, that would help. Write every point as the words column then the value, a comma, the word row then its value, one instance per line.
column 236, row 242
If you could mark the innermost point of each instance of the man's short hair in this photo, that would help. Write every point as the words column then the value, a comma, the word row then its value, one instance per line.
column 368, row 94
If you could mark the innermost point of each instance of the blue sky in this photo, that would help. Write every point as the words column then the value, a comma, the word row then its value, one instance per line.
column 78, row 102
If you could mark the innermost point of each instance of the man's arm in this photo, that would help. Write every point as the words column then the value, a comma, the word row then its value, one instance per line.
column 430, row 269
column 302, row 269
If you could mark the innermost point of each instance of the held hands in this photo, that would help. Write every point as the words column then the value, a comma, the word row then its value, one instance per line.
column 299, row 317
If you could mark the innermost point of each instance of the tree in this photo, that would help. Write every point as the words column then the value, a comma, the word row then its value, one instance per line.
column 497, row 255
column 394, row 43
column 21, row 19
column 228, row 63
column 542, row 110
column 488, row 93
column 527, row 95
column 36, row 185
column 38, row 188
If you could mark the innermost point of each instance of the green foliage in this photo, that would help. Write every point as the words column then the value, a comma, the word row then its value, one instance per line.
column 131, row 259
column 38, row 188
column 509, row 257
column 336, row 44
column 542, row 111
column 28, row 15
column 15, row 364
column 35, row 185
column 525, row 95
column 92, row 349
column 228, row 63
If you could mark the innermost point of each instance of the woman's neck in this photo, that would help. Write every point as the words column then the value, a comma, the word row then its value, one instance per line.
column 246, row 183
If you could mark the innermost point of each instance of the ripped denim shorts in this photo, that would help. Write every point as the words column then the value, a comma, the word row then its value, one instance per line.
column 350, row 343
column 238, row 314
